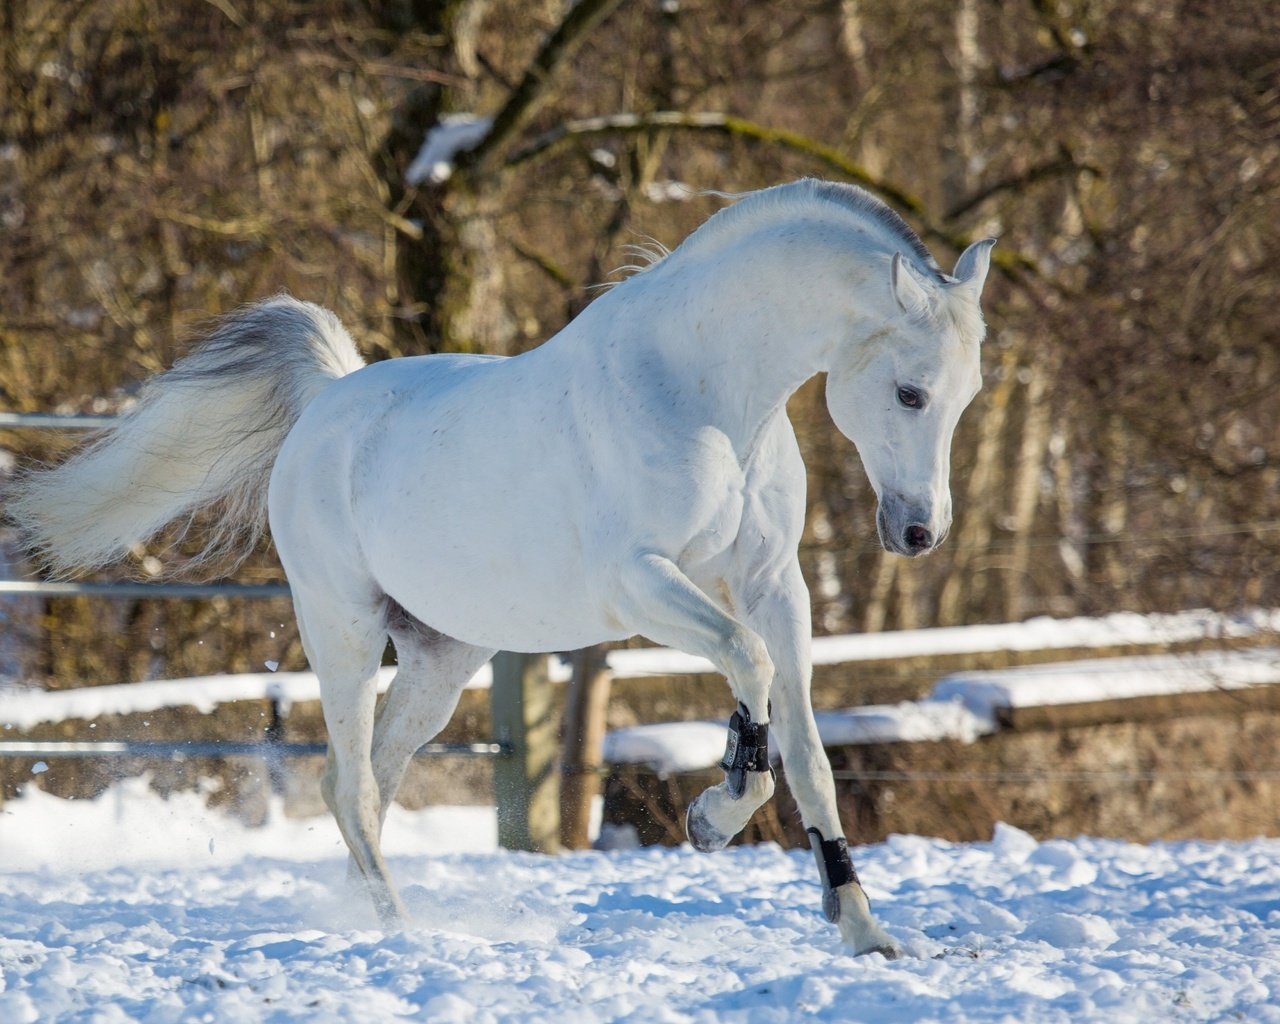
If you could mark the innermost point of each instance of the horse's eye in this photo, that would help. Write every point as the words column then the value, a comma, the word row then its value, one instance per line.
column 910, row 397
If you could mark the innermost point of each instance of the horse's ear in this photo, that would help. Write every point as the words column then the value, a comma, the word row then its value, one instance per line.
column 911, row 293
column 972, row 266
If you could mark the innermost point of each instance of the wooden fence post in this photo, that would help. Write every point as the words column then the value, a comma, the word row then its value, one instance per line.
column 526, row 781
column 584, row 728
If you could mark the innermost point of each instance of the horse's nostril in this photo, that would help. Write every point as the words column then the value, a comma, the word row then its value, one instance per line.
column 917, row 538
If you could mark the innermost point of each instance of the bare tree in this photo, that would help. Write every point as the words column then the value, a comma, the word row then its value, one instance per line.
column 159, row 163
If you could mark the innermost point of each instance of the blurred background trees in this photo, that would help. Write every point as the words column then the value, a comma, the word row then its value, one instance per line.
column 163, row 162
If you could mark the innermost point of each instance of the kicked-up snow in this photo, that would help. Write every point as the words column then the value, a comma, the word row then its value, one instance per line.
column 135, row 908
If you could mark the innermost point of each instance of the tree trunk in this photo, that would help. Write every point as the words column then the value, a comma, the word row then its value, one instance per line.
column 1026, row 493
column 583, row 745
column 982, row 496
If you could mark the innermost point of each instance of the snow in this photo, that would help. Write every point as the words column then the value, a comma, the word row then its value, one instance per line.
column 962, row 707
column 455, row 133
column 1122, row 629
column 23, row 708
column 965, row 706
column 132, row 825
column 135, row 908
column 1076, row 682
column 908, row 722
column 668, row 746
column 690, row 746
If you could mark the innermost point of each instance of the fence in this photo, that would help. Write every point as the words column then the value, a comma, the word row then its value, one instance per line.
column 543, row 785
column 522, row 769
column 544, row 782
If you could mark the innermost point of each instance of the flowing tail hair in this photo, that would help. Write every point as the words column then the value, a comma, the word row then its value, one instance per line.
column 200, row 443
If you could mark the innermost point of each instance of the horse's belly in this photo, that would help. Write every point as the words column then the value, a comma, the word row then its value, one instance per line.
column 490, row 556
column 506, row 604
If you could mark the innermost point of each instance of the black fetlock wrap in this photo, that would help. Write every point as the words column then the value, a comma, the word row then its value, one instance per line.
column 747, row 751
column 834, row 868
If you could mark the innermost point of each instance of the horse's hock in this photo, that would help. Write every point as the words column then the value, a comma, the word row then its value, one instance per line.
column 1189, row 766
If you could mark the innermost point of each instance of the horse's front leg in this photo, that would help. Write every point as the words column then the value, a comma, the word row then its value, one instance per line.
column 662, row 603
column 780, row 613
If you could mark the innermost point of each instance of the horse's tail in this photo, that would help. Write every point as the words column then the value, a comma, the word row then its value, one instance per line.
column 201, row 441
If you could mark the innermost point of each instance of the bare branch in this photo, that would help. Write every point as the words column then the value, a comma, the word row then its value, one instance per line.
column 1014, row 264
column 544, row 263
column 725, row 124
column 1065, row 164
column 576, row 26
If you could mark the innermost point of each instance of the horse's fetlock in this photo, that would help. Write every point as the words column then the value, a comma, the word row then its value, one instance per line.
column 703, row 835
column 835, row 869
column 746, row 752
column 760, row 786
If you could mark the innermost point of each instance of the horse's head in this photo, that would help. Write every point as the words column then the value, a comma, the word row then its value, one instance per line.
column 898, row 392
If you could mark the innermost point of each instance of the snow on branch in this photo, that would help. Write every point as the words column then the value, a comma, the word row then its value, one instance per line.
column 467, row 138
column 453, row 134
column 578, row 22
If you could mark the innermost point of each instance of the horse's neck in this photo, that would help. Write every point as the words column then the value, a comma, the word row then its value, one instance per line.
column 732, row 349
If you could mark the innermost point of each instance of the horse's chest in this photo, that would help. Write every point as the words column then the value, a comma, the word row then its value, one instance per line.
column 700, row 500
column 716, row 530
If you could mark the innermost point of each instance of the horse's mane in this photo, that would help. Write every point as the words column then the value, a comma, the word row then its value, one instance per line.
column 806, row 195
column 879, row 212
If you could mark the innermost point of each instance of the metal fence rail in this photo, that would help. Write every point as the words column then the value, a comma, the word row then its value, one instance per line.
column 130, row 588
column 183, row 750
column 53, row 421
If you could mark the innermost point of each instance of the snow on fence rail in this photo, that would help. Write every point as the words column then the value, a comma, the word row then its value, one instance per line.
column 130, row 588
column 185, row 749
column 962, row 706
column 967, row 705
column 23, row 708
column 1121, row 629
column 527, row 752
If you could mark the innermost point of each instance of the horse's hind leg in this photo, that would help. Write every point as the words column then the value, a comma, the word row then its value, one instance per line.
column 344, row 643
column 433, row 671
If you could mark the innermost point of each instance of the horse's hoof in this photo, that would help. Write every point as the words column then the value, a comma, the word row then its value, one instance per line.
column 877, row 942
column 704, row 836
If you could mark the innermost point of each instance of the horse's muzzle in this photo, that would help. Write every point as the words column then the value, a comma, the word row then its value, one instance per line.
column 904, row 529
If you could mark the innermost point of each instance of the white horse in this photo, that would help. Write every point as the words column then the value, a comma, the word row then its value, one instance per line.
column 636, row 474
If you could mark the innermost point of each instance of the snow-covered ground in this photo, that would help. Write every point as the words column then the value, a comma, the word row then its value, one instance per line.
column 134, row 908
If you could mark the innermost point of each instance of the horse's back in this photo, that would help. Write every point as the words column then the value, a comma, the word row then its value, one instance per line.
column 452, row 484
